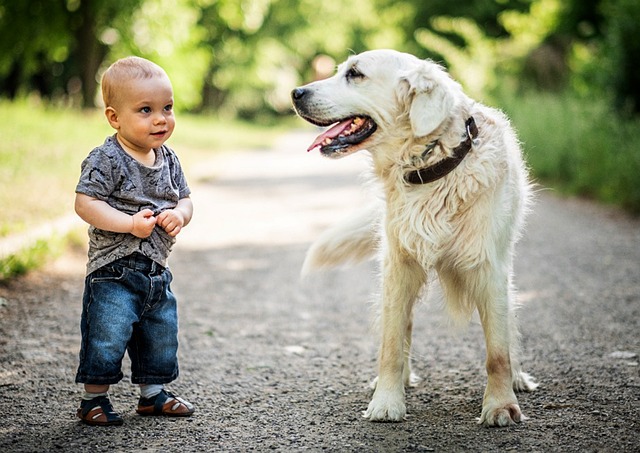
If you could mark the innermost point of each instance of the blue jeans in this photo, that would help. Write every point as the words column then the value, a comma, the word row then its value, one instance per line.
column 128, row 306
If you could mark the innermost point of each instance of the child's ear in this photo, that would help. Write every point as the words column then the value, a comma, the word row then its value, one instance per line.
column 112, row 117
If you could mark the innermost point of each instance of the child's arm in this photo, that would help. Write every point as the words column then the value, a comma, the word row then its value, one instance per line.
column 99, row 214
column 173, row 220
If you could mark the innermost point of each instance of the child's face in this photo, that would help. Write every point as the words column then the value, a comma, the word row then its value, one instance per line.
column 143, row 114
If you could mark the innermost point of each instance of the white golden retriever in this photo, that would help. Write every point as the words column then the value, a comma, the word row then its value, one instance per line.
column 455, row 192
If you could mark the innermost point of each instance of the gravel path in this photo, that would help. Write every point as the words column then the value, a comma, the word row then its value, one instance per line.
column 275, row 363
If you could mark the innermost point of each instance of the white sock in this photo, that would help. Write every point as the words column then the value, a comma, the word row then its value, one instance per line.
column 150, row 390
column 89, row 396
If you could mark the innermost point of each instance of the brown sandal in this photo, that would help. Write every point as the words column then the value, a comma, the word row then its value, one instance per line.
column 99, row 412
column 165, row 403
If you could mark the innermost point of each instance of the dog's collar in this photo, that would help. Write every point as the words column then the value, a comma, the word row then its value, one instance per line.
column 442, row 168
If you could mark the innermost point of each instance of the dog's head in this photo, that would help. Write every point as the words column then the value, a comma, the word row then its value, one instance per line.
column 376, row 95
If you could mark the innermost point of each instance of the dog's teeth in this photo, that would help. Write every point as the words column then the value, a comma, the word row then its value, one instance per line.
column 356, row 124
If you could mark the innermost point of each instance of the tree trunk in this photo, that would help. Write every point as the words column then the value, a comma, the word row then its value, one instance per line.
column 90, row 53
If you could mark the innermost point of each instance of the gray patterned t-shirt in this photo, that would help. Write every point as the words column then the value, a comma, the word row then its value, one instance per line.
column 111, row 175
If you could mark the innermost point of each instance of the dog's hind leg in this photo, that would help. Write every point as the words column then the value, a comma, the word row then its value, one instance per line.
column 408, row 377
column 521, row 381
column 403, row 278
column 491, row 290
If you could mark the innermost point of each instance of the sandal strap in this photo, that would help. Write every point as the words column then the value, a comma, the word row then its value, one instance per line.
column 159, row 405
column 101, row 404
column 161, row 398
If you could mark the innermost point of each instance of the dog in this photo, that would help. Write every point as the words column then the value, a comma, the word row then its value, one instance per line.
column 454, row 193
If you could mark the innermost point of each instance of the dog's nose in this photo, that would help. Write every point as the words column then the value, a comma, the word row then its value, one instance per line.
column 298, row 93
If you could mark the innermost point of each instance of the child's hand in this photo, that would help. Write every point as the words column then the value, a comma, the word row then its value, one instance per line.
column 143, row 223
column 172, row 221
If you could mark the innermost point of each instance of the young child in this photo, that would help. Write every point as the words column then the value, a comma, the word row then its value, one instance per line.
column 134, row 196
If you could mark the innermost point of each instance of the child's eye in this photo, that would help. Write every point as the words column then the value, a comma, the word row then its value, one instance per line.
column 168, row 107
column 145, row 109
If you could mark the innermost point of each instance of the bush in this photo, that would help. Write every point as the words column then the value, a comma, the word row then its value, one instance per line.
column 580, row 146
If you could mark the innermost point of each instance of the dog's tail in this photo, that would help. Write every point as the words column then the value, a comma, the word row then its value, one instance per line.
column 351, row 241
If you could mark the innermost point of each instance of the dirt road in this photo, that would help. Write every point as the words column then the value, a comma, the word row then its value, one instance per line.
column 275, row 363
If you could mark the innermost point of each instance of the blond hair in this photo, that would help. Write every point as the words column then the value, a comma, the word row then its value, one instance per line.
column 129, row 68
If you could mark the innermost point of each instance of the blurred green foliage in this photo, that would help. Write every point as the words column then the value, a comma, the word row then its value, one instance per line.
column 242, row 57
column 31, row 257
column 579, row 146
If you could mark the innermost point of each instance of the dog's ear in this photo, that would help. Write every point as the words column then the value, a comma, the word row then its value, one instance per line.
column 429, row 97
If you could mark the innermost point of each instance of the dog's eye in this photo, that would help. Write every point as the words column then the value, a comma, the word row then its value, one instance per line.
column 353, row 74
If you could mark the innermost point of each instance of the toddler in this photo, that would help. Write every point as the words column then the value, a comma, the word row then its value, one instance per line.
column 134, row 195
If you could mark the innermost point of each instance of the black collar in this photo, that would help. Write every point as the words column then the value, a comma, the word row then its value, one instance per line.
column 442, row 168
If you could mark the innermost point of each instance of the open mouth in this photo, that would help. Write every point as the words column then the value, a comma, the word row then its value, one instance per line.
column 344, row 134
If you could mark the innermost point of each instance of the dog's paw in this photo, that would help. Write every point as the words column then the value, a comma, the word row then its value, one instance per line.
column 411, row 380
column 501, row 415
column 386, row 407
column 523, row 382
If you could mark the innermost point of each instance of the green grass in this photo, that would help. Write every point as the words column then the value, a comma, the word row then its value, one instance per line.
column 580, row 147
column 40, row 154
column 31, row 257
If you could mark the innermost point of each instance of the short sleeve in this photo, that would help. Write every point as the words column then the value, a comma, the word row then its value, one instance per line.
column 177, row 175
column 96, row 176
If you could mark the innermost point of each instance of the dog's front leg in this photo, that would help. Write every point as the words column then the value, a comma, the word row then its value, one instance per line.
column 402, row 280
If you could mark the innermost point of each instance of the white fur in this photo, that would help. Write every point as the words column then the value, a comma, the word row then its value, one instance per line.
column 463, row 226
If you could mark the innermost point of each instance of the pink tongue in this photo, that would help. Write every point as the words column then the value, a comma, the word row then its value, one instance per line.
column 331, row 133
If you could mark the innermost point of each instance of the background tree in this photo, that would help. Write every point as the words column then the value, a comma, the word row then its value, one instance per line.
column 241, row 57
column 261, row 49
column 56, row 47
column 34, row 44
column 621, row 52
